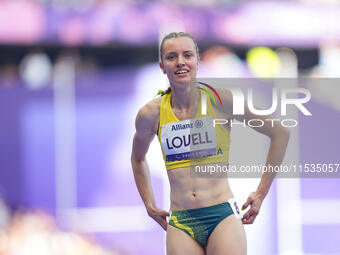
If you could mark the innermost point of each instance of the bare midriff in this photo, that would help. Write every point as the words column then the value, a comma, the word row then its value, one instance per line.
column 188, row 192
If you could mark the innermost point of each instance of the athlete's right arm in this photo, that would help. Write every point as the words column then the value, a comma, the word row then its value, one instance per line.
column 146, row 126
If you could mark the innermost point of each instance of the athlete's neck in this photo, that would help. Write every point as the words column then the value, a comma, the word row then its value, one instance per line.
column 184, row 98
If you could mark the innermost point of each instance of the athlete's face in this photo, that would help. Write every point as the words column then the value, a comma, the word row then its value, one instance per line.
column 179, row 60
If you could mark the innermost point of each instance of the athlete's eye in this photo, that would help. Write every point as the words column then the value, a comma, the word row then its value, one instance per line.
column 188, row 55
column 170, row 57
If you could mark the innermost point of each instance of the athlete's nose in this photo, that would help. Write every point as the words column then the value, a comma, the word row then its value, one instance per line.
column 180, row 62
column 179, row 65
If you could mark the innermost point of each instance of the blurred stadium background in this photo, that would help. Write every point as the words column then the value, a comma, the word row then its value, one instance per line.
column 73, row 75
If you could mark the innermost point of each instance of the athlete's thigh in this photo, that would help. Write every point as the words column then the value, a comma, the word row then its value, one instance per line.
column 228, row 238
column 180, row 243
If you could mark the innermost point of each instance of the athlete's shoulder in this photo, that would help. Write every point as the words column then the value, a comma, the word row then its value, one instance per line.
column 226, row 98
column 148, row 115
column 225, row 95
column 150, row 109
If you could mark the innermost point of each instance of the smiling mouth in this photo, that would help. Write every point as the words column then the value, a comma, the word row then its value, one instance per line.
column 181, row 72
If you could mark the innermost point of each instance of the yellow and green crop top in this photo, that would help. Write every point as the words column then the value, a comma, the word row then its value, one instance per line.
column 191, row 142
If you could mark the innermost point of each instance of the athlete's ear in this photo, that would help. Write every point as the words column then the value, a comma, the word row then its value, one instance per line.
column 162, row 66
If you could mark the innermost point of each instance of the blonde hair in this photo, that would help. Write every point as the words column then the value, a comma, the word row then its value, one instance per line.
column 169, row 36
column 176, row 35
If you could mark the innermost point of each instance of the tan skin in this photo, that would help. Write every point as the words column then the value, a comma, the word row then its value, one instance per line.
column 187, row 192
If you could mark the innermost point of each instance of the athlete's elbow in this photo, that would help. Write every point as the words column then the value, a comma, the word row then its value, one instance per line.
column 137, row 159
column 282, row 134
column 285, row 133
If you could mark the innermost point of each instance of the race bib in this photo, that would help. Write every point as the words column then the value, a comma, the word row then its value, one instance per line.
column 188, row 139
column 236, row 210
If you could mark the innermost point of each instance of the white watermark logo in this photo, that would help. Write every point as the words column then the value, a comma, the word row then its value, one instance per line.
column 285, row 98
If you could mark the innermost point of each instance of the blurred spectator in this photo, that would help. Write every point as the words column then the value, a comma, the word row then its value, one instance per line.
column 4, row 215
column 36, row 233
column 36, row 69
column 219, row 61
column 329, row 60
column 87, row 69
column 327, row 91
column 9, row 75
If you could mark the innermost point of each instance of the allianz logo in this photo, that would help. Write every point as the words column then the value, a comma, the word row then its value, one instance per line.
column 196, row 123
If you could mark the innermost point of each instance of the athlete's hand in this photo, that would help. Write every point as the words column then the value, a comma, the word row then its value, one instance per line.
column 255, row 201
column 159, row 216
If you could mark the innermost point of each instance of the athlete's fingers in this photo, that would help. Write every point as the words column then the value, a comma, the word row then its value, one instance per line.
column 160, row 218
column 164, row 225
column 252, row 211
column 158, row 212
column 161, row 212
column 247, row 215
column 161, row 221
column 247, row 203
column 249, row 220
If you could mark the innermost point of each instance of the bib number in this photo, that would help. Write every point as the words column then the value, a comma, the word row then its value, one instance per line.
column 188, row 139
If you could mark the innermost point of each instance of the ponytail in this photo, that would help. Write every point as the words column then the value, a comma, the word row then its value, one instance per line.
column 163, row 92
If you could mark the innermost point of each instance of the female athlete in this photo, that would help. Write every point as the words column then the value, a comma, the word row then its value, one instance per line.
column 204, row 217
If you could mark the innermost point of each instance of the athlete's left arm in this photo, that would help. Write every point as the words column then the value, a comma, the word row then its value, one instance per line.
column 279, row 137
